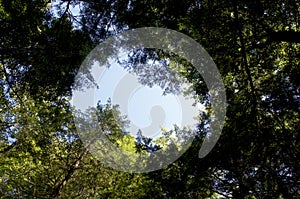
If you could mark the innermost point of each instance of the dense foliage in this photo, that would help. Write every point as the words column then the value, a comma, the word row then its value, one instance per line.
column 255, row 45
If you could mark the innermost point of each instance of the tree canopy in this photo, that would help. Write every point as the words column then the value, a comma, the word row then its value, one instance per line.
column 255, row 45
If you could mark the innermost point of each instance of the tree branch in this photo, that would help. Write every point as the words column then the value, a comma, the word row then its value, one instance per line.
column 67, row 8
column 56, row 192
column 9, row 147
column 246, row 64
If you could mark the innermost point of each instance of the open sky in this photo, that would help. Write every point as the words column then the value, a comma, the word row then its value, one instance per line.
column 146, row 108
